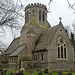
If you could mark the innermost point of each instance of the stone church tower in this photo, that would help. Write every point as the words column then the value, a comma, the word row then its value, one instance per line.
column 39, row 11
column 35, row 23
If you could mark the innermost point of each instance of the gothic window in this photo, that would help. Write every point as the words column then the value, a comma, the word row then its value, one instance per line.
column 62, row 47
column 43, row 17
column 58, row 52
column 14, row 60
column 61, row 51
column 39, row 15
column 29, row 53
column 35, row 57
column 41, row 57
column 33, row 12
column 65, row 52
column 11, row 60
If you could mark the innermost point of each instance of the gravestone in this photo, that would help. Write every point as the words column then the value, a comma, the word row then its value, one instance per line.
column 69, row 73
column 60, row 73
column 40, row 73
column 46, row 71
column 49, row 74
column 4, row 72
column 0, row 71
column 17, row 74
column 11, row 73
column 21, row 73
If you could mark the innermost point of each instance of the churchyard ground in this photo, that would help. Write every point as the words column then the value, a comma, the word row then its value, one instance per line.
column 30, row 72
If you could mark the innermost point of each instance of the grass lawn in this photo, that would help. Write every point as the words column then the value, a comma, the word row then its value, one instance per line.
column 8, row 72
column 73, row 73
column 36, row 73
column 54, row 73
column 26, row 74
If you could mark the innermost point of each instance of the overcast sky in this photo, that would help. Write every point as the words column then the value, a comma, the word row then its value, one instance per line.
column 58, row 8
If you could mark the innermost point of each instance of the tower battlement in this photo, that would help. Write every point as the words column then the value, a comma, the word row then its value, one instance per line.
column 37, row 10
column 35, row 5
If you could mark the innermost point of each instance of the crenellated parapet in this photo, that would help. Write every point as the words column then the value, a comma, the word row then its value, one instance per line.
column 35, row 5
column 38, row 11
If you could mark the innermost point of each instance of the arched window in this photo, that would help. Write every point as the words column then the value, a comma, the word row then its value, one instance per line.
column 39, row 15
column 42, row 57
column 33, row 12
column 35, row 57
column 27, row 16
column 61, row 48
column 43, row 16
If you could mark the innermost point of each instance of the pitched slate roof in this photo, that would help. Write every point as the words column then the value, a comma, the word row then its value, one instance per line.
column 17, row 50
column 15, row 43
column 46, row 37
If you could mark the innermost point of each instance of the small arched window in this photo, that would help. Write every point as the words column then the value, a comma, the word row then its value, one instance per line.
column 33, row 12
column 43, row 16
column 61, row 48
column 39, row 15
column 27, row 17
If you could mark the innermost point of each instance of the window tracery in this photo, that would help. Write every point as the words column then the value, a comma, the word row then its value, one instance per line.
column 61, row 48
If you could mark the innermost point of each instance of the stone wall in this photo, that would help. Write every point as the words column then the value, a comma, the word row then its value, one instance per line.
column 41, row 64
column 23, row 53
column 63, row 64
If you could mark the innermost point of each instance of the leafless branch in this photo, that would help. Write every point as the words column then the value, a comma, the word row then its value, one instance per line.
column 71, row 5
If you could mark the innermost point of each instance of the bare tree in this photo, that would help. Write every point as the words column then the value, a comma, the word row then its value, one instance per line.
column 10, row 13
column 73, row 25
column 71, row 5
column 10, row 16
column 68, row 29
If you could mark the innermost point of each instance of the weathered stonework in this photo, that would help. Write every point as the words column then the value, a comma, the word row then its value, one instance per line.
column 38, row 47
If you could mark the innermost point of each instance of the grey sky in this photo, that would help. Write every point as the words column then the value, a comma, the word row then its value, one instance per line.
column 58, row 8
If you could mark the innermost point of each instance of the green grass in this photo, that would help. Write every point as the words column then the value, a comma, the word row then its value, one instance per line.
column 54, row 73
column 26, row 73
column 73, row 73
column 8, row 72
column 35, row 73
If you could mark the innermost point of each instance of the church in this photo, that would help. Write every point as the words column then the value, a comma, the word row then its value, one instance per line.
column 41, row 46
